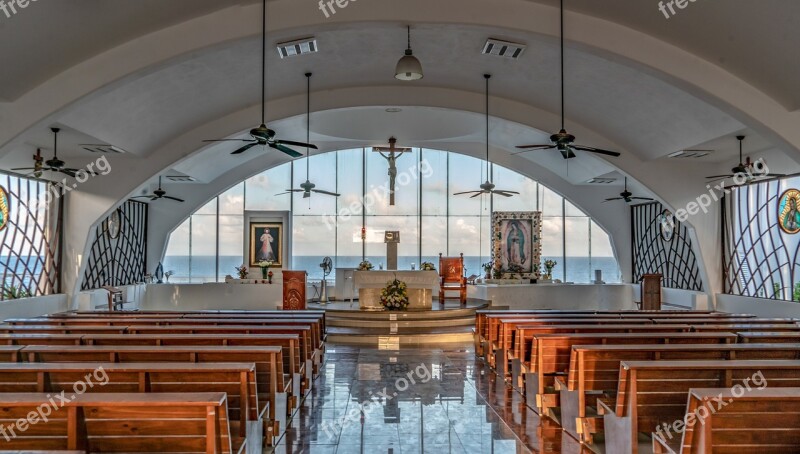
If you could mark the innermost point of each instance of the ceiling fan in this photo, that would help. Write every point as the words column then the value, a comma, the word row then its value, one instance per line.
column 262, row 135
column 627, row 195
column 745, row 168
column 158, row 194
column 53, row 165
column 488, row 187
column 562, row 140
column 308, row 187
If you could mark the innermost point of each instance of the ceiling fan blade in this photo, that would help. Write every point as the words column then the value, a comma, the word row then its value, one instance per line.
column 478, row 194
column 503, row 193
column 614, row 198
column 68, row 172
column 597, row 150
column 720, row 176
column 533, row 147
column 296, row 144
column 245, row 148
column 290, row 191
column 468, row 192
column 27, row 168
column 320, row 191
column 229, row 140
column 642, row 198
column 173, row 198
column 286, row 150
column 141, row 197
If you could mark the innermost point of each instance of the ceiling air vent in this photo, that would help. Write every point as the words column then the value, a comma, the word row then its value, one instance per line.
column 601, row 180
column 298, row 47
column 690, row 153
column 181, row 178
column 505, row 49
column 101, row 148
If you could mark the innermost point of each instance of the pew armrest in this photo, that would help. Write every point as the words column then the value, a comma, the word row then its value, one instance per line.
column 604, row 408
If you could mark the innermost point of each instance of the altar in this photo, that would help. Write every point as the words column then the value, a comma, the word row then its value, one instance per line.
column 421, row 286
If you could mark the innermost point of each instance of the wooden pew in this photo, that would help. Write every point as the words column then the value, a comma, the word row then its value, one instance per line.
column 289, row 343
column 737, row 328
column 268, row 360
column 56, row 329
column 733, row 428
column 122, row 423
column 551, row 357
column 10, row 353
column 237, row 380
column 526, row 342
column 594, row 373
column 40, row 339
column 304, row 331
column 654, row 392
column 757, row 337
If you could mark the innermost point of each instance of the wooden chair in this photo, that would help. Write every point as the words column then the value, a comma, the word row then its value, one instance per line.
column 451, row 277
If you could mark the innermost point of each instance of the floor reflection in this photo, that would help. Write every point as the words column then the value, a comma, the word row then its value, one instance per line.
column 416, row 400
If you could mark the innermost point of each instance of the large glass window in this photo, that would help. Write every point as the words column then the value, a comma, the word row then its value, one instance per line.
column 208, row 245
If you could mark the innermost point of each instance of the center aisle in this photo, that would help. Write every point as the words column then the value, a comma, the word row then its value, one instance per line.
column 417, row 400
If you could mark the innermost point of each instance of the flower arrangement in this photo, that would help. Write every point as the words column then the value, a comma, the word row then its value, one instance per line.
column 264, row 265
column 427, row 266
column 394, row 296
column 548, row 266
column 241, row 271
column 169, row 274
column 366, row 265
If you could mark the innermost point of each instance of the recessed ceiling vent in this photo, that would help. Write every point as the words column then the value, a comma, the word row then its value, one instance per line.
column 101, row 148
column 181, row 178
column 601, row 180
column 690, row 153
column 505, row 49
column 298, row 47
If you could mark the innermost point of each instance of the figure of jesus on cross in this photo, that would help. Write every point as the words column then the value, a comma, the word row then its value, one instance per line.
column 391, row 157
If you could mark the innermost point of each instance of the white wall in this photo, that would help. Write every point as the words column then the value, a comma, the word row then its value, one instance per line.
column 758, row 306
column 33, row 307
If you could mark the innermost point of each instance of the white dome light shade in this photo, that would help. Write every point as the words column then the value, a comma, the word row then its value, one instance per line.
column 409, row 68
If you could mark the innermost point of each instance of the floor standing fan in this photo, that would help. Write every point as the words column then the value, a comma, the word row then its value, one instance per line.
column 327, row 267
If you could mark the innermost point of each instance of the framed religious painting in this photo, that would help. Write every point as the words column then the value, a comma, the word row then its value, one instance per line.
column 266, row 243
column 517, row 243
column 789, row 211
column 5, row 208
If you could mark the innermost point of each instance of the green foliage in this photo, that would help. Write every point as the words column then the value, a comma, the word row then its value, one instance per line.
column 796, row 296
column 776, row 290
column 11, row 292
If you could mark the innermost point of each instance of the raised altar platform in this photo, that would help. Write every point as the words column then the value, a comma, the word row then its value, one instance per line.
column 421, row 285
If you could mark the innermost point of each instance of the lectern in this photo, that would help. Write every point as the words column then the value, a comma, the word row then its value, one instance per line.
column 392, row 239
column 651, row 292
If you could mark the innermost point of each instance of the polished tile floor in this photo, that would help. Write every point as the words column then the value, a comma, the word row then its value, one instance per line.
column 416, row 400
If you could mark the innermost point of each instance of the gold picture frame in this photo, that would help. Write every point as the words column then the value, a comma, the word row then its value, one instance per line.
column 266, row 243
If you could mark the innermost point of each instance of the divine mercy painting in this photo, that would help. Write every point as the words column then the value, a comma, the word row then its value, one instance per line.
column 266, row 243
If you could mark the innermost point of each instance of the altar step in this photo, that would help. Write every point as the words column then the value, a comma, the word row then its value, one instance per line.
column 448, row 323
column 403, row 336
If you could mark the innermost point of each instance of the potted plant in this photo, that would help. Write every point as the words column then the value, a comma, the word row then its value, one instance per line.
column 11, row 292
column 269, row 277
column 394, row 297
column 487, row 270
column 242, row 272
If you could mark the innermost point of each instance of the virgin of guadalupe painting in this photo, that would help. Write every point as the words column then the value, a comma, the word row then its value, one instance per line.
column 789, row 211
column 4, row 208
column 517, row 244
column 266, row 244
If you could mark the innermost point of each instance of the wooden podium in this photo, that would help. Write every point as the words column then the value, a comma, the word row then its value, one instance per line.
column 651, row 292
column 294, row 290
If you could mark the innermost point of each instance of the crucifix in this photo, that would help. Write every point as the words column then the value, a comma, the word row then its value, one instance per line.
column 391, row 157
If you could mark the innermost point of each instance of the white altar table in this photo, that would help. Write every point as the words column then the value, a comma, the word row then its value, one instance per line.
column 421, row 285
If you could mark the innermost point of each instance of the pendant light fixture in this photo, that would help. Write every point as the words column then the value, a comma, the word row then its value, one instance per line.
column 409, row 68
